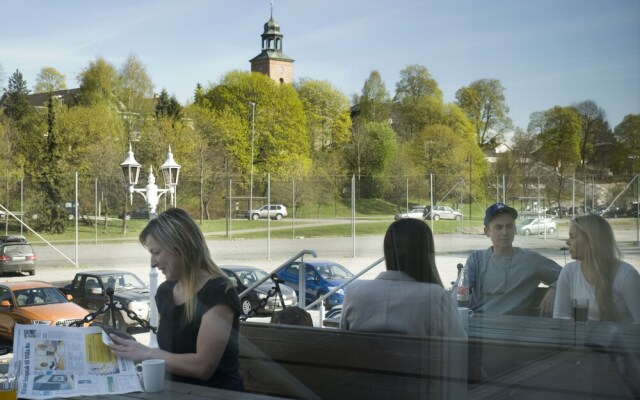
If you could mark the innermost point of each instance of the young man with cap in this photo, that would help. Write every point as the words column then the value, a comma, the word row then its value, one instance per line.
column 504, row 278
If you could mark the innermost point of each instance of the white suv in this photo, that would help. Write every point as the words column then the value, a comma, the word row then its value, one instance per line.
column 273, row 211
column 536, row 226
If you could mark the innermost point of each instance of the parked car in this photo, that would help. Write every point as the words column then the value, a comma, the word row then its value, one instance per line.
column 35, row 302
column 558, row 211
column 443, row 212
column 416, row 213
column 88, row 289
column 610, row 211
column 137, row 213
column 70, row 208
column 273, row 211
column 321, row 277
column 579, row 210
column 536, row 226
column 243, row 277
column 16, row 255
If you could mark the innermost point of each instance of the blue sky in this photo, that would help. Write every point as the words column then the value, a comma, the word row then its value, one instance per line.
column 545, row 52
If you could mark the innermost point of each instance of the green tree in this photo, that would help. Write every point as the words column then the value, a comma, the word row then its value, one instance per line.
column 417, row 93
column 328, row 114
column 522, row 156
column 49, row 80
column 371, row 149
column 167, row 107
column 448, row 155
column 374, row 103
column 99, row 84
column 627, row 133
column 593, row 126
column 16, row 104
column 51, row 217
column 281, row 145
column 211, row 132
column 135, row 88
column 561, row 143
column 484, row 103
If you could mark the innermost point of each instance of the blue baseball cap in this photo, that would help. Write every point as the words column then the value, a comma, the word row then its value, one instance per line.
column 498, row 208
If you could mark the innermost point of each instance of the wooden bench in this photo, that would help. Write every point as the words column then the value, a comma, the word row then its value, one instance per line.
column 314, row 363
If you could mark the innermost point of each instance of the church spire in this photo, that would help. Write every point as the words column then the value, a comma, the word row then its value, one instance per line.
column 272, row 61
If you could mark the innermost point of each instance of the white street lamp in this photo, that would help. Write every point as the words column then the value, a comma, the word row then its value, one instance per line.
column 253, row 130
column 170, row 172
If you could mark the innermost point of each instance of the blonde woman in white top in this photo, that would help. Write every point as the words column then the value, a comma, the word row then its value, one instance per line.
column 598, row 274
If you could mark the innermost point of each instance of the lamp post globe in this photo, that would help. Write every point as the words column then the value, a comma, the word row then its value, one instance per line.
column 170, row 172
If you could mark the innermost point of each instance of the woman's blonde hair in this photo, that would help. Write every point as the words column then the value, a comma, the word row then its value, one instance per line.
column 603, row 255
column 177, row 232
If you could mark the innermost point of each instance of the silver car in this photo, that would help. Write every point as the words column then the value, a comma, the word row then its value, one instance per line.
column 444, row 212
column 536, row 226
column 273, row 211
column 415, row 213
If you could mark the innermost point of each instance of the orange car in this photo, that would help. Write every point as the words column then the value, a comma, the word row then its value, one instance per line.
column 35, row 302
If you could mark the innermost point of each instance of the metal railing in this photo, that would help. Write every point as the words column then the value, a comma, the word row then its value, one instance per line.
column 320, row 300
column 300, row 254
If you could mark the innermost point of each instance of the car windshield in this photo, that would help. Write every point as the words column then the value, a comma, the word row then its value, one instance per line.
column 251, row 276
column 333, row 271
column 527, row 221
column 39, row 296
column 122, row 282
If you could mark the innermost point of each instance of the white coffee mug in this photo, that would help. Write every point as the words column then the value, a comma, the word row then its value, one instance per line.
column 152, row 375
column 465, row 313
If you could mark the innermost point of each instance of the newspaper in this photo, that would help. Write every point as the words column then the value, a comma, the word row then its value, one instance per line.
column 62, row 361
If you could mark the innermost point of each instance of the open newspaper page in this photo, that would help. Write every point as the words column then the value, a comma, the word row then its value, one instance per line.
column 66, row 361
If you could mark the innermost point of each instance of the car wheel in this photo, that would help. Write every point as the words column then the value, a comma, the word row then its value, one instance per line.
column 255, row 217
column 120, row 325
column 458, row 217
column 527, row 232
column 246, row 306
column 436, row 217
column 32, row 273
column 278, row 217
column 551, row 231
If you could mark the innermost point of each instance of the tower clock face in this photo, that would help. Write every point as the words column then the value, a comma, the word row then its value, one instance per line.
column 281, row 70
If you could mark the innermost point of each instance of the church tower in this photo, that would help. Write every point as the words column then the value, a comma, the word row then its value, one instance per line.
column 272, row 61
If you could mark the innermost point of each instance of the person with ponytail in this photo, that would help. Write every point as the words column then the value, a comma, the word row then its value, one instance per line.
column 598, row 274
column 198, row 306
column 408, row 298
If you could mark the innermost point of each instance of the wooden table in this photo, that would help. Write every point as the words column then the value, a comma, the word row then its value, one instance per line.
column 184, row 391
column 543, row 358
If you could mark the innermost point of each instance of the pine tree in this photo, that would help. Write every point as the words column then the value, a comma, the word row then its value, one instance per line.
column 16, row 105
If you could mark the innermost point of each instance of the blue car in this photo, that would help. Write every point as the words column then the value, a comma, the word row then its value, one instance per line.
column 322, row 276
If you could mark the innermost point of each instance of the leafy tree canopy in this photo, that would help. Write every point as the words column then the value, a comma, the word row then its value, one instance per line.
column 135, row 88
column 374, row 104
column 49, row 80
column 99, row 83
column 281, row 142
column 328, row 113
column 484, row 103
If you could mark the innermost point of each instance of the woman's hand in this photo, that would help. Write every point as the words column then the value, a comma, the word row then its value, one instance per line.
column 128, row 348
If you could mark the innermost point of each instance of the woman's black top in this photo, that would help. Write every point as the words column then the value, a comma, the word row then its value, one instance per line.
column 175, row 335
